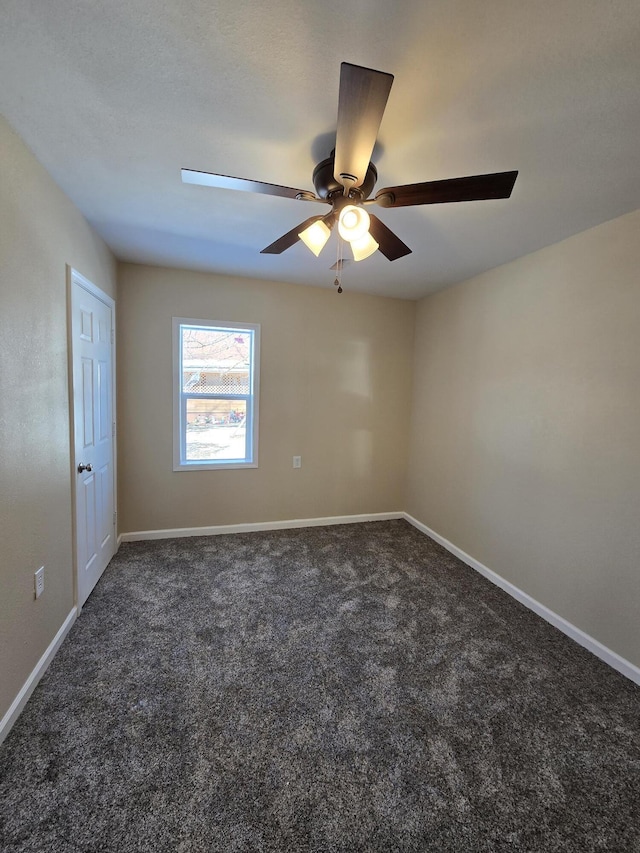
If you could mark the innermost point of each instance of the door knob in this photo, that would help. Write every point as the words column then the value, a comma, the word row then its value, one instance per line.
column 82, row 467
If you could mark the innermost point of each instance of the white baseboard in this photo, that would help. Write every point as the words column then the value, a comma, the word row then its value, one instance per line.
column 218, row 530
column 630, row 670
column 38, row 671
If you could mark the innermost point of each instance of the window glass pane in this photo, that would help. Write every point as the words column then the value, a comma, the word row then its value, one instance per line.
column 216, row 361
column 215, row 429
column 216, row 395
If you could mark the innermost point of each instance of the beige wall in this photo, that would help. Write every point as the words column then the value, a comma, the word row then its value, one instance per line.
column 525, row 447
column 335, row 389
column 40, row 232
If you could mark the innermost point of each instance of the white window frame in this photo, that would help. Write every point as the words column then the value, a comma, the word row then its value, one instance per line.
column 180, row 398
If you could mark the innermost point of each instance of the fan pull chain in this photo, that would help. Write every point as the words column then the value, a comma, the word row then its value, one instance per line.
column 339, row 265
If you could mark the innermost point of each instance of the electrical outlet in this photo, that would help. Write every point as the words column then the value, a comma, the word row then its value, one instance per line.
column 297, row 461
column 38, row 581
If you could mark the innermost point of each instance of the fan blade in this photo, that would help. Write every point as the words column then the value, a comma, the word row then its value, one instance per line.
column 341, row 264
column 361, row 103
column 290, row 238
column 330, row 219
column 226, row 182
column 473, row 188
column 389, row 243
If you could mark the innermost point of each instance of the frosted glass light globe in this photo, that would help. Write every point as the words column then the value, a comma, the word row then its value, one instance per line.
column 354, row 223
column 315, row 236
column 363, row 247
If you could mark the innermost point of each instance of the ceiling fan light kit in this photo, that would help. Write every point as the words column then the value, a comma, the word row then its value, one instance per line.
column 345, row 180
column 364, row 247
column 353, row 223
column 315, row 236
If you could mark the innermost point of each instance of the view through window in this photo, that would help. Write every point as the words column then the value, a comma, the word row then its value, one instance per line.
column 216, row 394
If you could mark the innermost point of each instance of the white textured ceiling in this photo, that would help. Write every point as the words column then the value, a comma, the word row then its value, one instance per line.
column 115, row 96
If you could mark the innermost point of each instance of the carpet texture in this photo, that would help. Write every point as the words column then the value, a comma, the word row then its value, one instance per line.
column 352, row 688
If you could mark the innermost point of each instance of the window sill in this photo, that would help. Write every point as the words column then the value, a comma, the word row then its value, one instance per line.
column 213, row 466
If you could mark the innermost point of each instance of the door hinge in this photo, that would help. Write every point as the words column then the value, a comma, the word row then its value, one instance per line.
column 113, row 428
column 115, row 517
column 113, row 337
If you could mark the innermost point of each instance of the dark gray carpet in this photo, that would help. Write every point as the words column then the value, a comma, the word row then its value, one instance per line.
column 351, row 688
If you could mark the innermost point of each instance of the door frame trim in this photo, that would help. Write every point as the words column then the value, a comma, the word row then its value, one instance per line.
column 73, row 278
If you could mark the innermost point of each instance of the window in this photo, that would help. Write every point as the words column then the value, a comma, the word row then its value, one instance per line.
column 215, row 394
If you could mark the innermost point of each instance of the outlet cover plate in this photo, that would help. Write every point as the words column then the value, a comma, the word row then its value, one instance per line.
column 38, row 581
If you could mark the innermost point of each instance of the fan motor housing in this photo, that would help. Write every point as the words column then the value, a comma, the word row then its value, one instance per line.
column 326, row 185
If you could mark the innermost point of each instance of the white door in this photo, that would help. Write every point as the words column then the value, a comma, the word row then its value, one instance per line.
column 94, row 428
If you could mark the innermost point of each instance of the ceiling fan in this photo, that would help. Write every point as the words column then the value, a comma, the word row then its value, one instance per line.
column 345, row 180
